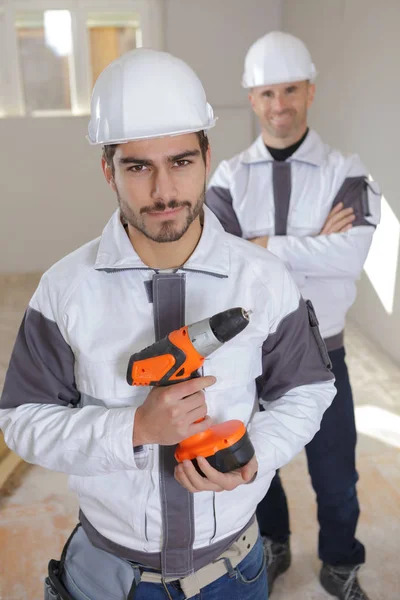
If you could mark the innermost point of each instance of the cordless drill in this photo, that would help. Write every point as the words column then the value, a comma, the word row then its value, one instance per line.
column 176, row 358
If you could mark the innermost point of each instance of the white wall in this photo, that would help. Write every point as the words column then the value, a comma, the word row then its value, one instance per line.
column 52, row 194
column 214, row 37
column 356, row 47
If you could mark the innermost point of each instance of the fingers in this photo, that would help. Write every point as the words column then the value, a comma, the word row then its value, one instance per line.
column 250, row 470
column 339, row 219
column 260, row 241
column 188, row 388
column 183, row 479
column 189, row 478
column 226, row 481
column 336, row 209
column 194, row 401
column 346, row 228
column 338, row 226
column 345, row 213
column 344, row 222
column 338, row 215
column 194, row 427
column 197, row 414
column 229, row 481
column 194, row 409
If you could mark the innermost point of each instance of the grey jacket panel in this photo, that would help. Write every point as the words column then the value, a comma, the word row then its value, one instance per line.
column 219, row 199
column 354, row 194
column 201, row 556
column 282, row 184
column 294, row 355
column 41, row 368
column 177, row 503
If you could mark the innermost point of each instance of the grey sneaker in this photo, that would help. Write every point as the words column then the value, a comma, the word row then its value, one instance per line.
column 342, row 582
column 278, row 559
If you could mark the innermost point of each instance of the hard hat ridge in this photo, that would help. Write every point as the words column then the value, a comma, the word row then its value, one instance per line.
column 145, row 94
column 277, row 57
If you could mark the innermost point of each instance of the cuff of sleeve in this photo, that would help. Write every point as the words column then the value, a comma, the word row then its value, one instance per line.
column 141, row 456
column 265, row 451
column 121, row 442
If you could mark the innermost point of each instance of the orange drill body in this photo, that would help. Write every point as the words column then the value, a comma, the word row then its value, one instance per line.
column 171, row 360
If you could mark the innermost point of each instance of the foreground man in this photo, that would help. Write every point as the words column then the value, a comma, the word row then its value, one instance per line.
column 152, row 528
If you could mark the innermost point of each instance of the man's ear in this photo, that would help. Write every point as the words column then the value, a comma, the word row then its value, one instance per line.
column 311, row 94
column 251, row 98
column 108, row 173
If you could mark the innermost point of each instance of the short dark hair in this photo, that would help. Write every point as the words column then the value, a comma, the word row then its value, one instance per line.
column 109, row 150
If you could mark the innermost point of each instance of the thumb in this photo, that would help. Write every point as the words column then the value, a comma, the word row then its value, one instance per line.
column 247, row 473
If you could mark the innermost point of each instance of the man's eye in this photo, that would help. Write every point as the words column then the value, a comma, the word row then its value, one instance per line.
column 137, row 168
column 267, row 94
column 182, row 163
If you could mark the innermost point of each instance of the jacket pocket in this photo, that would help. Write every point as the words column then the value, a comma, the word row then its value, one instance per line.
column 314, row 325
column 252, row 567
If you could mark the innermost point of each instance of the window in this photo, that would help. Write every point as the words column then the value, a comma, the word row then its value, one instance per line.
column 45, row 54
column 52, row 52
column 3, row 74
column 111, row 35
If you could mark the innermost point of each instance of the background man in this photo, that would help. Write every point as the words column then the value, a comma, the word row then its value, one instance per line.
column 316, row 210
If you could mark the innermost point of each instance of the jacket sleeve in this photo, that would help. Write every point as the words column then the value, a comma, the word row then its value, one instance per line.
column 219, row 199
column 337, row 254
column 296, row 385
column 39, row 407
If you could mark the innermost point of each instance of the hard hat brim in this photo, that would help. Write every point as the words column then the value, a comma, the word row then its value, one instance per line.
column 148, row 136
column 294, row 79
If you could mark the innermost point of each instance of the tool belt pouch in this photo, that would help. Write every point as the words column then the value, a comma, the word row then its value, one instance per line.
column 54, row 589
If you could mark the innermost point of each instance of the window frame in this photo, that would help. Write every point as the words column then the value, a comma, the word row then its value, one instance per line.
column 12, row 98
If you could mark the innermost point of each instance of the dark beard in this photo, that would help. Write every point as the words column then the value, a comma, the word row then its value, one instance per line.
column 167, row 232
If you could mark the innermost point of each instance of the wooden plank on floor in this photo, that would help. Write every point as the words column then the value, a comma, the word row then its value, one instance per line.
column 3, row 448
column 9, row 465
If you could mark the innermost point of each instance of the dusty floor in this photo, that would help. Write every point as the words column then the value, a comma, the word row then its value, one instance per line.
column 36, row 519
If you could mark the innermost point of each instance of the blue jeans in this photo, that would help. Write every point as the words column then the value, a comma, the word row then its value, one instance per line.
column 331, row 464
column 248, row 581
column 92, row 574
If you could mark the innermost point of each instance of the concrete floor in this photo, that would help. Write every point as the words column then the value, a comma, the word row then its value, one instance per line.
column 37, row 518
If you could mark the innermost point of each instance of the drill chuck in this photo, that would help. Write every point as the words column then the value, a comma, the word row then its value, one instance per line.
column 227, row 324
column 210, row 334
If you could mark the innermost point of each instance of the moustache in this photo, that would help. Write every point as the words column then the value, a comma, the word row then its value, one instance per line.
column 162, row 206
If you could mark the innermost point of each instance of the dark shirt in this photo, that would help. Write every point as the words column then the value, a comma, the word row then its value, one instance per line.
column 284, row 153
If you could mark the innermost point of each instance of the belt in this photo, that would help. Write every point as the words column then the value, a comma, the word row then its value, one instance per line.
column 225, row 563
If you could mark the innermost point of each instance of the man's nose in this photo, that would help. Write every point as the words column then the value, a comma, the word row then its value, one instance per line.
column 163, row 186
column 279, row 103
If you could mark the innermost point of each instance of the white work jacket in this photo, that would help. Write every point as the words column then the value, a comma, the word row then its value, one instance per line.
column 67, row 406
column 254, row 195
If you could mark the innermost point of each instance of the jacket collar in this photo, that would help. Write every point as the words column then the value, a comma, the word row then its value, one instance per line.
column 211, row 254
column 311, row 151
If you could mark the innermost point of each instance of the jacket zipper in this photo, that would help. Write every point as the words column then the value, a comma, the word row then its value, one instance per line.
column 215, row 520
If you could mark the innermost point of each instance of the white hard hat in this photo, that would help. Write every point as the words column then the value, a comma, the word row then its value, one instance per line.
column 147, row 94
column 277, row 58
